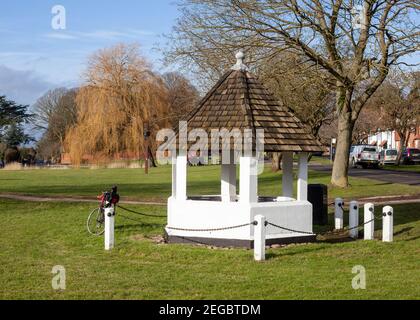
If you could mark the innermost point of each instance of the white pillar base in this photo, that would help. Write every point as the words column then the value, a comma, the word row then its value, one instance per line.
column 174, row 175
column 259, row 238
column 338, row 214
column 369, row 214
column 228, row 182
column 287, row 179
column 302, row 184
column 181, row 176
column 388, row 224
column 248, row 181
column 109, row 228
column 354, row 219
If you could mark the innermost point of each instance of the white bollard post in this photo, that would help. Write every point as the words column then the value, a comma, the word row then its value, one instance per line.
column 259, row 238
column 369, row 215
column 387, row 224
column 109, row 228
column 354, row 219
column 338, row 213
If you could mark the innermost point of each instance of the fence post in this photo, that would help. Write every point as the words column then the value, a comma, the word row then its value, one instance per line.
column 369, row 215
column 109, row 228
column 338, row 213
column 259, row 238
column 354, row 219
column 387, row 224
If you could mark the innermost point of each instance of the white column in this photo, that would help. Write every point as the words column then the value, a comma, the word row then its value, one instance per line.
column 388, row 224
column 354, row 219
column 339, row 214
column 228, row 182
column 259, row 238
column 109, row 228
column 369, row 215
column 181, row 176
column 173, row 174
column 287, row 168
column 248, row 180
column 302, row 184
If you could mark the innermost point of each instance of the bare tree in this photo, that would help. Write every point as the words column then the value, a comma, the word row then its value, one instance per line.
column 399, row 100
column 370, row 119
column 182, row 96
column 304, row 89
column 55, row 113
column 355, row 44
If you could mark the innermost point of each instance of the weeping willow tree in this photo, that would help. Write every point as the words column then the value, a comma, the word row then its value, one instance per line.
column 121, row 97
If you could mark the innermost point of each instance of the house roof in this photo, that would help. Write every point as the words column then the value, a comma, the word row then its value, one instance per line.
column 239, row 100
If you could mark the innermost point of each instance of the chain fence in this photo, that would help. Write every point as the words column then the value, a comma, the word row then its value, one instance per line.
column 341, row 231
column 215, row 229
column 141, row 213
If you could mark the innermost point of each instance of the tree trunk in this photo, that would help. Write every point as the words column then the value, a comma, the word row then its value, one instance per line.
column 402, row 146
column 339, row 177
column 276, row 161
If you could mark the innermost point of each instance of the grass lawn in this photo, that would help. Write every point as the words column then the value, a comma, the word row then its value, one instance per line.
column 133, row 183
column 409, row 168
column 38, row 236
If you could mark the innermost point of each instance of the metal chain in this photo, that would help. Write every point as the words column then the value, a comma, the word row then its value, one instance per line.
column 360, row 225
column 287, row 229
column 305, row 232
column 141, row 213
column 214, row 229
column 236, row 226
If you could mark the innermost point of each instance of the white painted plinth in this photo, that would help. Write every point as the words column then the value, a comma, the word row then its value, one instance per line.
column 195, row 214
column 369, row 215
column 338, row 214
column 388, row 224
column 259, row 238
column 109, row 228
column 354, row 219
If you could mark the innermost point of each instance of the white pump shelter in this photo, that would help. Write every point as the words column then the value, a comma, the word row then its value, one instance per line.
column 238, row 100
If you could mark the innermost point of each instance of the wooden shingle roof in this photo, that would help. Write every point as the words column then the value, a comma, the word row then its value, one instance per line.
column 239, row 100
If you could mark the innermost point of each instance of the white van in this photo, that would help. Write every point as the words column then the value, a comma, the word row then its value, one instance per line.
column 364, row 156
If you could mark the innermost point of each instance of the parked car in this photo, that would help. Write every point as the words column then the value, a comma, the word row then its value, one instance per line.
column 388, row 156
column 365, row 156
column 411, row 156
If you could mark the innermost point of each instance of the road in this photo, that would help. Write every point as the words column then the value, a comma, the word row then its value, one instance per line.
column 410, row 178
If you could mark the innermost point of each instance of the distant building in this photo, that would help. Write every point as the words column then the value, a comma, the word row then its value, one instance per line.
column 391, row 140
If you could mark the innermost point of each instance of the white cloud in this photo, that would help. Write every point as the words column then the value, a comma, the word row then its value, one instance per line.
column 62, row 36
column 99, row 34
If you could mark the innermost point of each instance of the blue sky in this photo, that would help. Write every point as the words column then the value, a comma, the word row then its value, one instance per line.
column 34, row 57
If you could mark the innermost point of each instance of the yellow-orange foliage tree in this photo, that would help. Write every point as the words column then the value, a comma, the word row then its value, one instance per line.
column 121, row 94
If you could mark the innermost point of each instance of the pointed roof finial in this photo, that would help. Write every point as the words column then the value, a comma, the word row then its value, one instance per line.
column 239, row 66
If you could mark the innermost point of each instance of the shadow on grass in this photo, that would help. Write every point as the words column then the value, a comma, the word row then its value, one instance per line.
column 402, row 231
column 282, row 253
column 412, row 238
